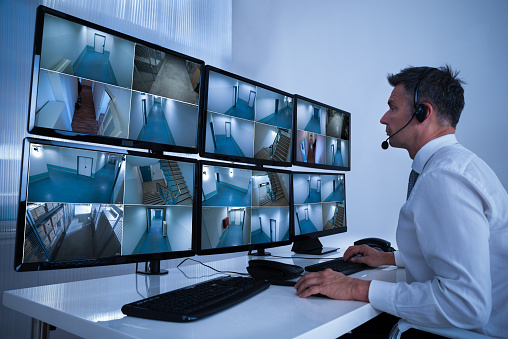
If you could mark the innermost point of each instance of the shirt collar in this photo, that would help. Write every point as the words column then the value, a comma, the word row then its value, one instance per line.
column 428, row 150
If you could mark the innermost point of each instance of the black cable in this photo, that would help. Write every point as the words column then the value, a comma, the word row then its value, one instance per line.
column 277, row 256
column 210, row 267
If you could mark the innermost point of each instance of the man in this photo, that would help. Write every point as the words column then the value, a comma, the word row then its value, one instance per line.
column 452, row 231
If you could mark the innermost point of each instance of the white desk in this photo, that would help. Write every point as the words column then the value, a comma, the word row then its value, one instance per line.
column 91, row 308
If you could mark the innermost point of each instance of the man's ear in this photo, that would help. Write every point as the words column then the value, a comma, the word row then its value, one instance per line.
column 431, row 113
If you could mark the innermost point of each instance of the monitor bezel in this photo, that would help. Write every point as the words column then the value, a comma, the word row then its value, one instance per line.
column 315, row 165
column 204, row 110
column 249, row 247
column 92, row 138
column 21, row 266
column 322, row 233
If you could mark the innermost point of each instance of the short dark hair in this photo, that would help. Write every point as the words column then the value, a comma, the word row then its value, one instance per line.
column 440, row 87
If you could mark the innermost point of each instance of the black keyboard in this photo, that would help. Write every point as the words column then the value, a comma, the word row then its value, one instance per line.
column 196, row 301
column 338, row 265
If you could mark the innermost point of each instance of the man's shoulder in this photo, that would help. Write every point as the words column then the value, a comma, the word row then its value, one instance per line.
column 457, row 160
column 452, row 157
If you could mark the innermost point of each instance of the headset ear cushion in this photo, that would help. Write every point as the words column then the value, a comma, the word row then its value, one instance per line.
column 421, row 112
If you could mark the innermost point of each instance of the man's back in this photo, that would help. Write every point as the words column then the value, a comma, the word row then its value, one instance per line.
column 455, row 226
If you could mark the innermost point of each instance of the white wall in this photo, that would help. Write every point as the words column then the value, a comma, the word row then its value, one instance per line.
column 339, row 53
column 301, row 188
column 244, row 91
column 134, row 226
column 188, row 174
column 38, row 164
column 44, row 91
column 209, row 184
column 265, row 103
column 179, row 221
column 69, row 96
column 305, row 112
column 328, row 210
column 212, row 220
column 67, row 158
column 121, row 103
column 327, row 185
column 61, row 88
column 235, row 177
column 220, row 92
column 241, row 130
column 62, row 40
column 182, row 120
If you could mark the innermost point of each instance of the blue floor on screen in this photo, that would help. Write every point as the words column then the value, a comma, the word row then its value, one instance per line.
column 95, row 66
column 228, row 196
column 63, row 186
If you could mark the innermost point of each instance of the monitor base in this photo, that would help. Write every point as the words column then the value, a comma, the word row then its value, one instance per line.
column 259, row 253
column 311, row 246
column 153, row 267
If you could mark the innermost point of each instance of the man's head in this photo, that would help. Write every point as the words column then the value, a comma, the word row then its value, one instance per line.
column 438, row 92
column 440, row 87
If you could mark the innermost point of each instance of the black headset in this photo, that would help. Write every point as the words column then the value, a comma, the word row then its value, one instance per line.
column 420, row 109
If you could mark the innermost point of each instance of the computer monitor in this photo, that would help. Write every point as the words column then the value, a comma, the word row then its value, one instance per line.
column 94, row 84
column 245, row 121
column 243, row 208
column 319, row 209
column 322, row 135
column 84, row 205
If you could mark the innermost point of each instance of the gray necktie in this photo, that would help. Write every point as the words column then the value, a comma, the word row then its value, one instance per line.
column 412, row 179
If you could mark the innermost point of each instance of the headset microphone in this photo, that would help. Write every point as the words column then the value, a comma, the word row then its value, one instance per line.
column 384, row 144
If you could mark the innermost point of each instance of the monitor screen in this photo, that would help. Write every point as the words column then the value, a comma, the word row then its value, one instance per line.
column 246, row 121
column 319, row 208
column 93, row 84
column 243, row 208
column 88, row 206
column 322, row 135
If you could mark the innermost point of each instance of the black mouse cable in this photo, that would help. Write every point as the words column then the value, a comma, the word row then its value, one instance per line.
column 207, row 266
column 277, row 256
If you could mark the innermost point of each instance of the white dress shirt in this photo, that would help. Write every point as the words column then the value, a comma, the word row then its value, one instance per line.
column 452, row 236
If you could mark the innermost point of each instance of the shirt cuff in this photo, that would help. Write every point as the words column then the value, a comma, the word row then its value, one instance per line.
column 398, row 259
column 382, row 296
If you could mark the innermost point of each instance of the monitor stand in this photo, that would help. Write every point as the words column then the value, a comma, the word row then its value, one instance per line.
column 259, row 253
column 153, row 267
column 311, row 246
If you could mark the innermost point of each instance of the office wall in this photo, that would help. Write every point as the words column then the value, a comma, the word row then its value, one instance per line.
column 339, row 53
column 199, row 28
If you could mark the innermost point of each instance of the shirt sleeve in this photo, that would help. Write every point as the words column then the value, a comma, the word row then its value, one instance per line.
column 399, row 262
column 447, row 214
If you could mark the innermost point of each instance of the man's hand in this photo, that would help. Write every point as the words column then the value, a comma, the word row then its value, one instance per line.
column 369, row 256
column 334, row 285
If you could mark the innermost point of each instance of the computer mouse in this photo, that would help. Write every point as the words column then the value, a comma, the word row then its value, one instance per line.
column 273, row 270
